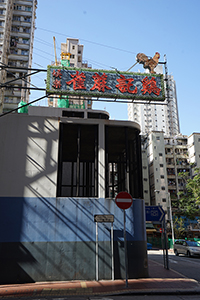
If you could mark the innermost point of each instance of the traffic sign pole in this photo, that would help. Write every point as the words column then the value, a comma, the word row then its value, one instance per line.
column 125, row 249
column 124, row 200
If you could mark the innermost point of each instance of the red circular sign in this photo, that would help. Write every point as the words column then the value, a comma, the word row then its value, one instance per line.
column 124, row 200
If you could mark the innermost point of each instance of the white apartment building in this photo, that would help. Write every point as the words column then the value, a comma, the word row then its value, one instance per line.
column 17, row 26
column 194, row 149
column 158, row 117
column 72, row 56
column 167, row 157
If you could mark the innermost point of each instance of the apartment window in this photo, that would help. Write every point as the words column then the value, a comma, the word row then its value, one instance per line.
column 25, row 41
column 162, row 188
column 162, row 176
column 24, row 52
column 15, row 29
column 1, row 23
column 161, row 165
column 16, row 18
column 27, row 8
column 26, row 29
column 17, row 7
column 27, row 19
column 164, row 200
column 72, row 56
column 1, row 12
column 160, row 154
column 13, row 51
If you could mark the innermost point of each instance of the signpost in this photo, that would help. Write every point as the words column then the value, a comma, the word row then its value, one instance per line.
column 124, row 200
column 154, row 213
column 157, row 214
column 104, row 219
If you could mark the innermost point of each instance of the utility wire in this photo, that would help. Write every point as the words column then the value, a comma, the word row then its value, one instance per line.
column 95, row 43
column 5, row 66
column 15, row 109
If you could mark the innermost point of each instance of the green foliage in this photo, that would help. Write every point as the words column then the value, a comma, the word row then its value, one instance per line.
column 179, row 227
column 189, row 203
column 23, row 108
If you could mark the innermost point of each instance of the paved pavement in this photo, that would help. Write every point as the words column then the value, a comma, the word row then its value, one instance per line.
column 160, row 281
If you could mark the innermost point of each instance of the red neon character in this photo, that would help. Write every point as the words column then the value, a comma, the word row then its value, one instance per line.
column 149, row 86
column 100, row 82
column 125, row 84
column 57, row 73
column 56, row 84
column 78, row 81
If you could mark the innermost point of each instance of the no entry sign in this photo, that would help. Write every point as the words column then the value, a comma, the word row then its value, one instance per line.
column 124, row 200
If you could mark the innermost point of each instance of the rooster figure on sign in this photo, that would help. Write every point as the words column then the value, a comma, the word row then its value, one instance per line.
column 148, row 63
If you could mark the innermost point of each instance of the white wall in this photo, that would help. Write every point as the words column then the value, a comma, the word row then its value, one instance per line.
column 29, row 151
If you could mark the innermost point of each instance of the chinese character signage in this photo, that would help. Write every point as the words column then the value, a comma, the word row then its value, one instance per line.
column 104, row 84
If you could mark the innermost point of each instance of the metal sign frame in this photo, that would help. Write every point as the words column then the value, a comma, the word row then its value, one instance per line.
column 104, row 219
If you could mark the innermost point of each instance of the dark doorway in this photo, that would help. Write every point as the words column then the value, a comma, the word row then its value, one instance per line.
column 78, row 161
column 123, row 161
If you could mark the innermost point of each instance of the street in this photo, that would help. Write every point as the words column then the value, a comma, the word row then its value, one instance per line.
column 183, row 265
column 187, row 266
column 120, row 297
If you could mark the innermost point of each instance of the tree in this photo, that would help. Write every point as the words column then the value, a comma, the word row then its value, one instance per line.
column 189, row 202
column 179, row 227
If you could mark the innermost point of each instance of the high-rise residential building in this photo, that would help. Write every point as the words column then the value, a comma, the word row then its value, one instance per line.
column 194, row 149
column 168, row 157
column 71, row 56
column 17, row 26
column 158, row 117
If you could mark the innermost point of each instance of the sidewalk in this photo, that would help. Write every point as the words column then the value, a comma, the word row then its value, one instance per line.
column 161, row 281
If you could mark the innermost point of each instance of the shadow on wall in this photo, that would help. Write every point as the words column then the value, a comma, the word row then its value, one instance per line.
column 55, row 240
column 27, row 157
column 46, row 238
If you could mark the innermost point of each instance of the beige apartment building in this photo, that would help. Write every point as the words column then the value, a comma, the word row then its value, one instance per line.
column 71, row 56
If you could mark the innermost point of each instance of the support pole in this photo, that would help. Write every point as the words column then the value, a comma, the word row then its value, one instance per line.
column 97, row 261
column 166, row 247
column 125, row 249
column 112, row 251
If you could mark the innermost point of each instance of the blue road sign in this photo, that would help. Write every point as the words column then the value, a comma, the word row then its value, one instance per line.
column 154, row 213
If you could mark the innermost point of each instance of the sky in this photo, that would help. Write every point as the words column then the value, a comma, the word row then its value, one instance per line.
column 113, row 32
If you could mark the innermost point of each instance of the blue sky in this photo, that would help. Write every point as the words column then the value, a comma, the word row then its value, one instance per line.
column 114, row 31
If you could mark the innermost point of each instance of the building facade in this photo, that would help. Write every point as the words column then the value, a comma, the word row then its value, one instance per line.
column 56, row 180
column 158, row 117
column 17, row 26
column 167, row 157
column 194, row 149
